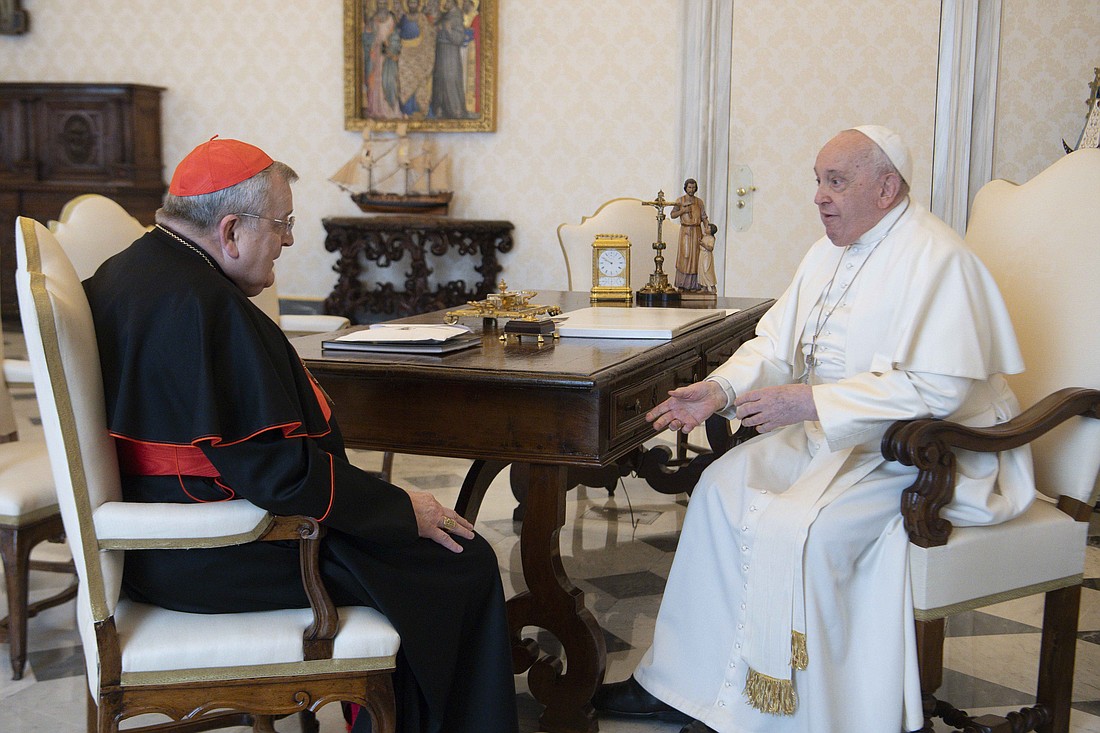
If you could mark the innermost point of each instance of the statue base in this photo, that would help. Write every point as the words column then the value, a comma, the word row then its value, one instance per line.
column 698, row 297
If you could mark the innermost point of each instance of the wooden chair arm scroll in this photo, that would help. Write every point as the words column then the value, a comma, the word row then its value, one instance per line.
column 928, row 444
column 317, row 641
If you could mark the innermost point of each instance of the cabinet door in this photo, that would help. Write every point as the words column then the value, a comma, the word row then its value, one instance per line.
column 80, row 140
column 9, row 205
column 16, row 160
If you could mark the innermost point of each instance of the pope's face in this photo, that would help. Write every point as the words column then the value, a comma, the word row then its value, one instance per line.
column 849, row 188
column 261, row 241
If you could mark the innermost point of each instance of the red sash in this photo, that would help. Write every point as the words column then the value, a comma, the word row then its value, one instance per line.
column 162, row 459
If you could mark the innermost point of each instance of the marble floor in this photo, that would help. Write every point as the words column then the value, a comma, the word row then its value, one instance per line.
column 618, row 550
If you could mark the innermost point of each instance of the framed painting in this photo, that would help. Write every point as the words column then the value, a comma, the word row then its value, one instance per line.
column 429, row 64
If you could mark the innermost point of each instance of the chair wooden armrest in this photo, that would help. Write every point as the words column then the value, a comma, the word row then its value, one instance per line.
column 317, row 642
column 929, row 443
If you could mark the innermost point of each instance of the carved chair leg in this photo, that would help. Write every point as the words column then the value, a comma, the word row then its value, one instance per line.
column 263, row 724
column 308, row 721
column 15, row 551
column 1056, row 656
column 930, row 660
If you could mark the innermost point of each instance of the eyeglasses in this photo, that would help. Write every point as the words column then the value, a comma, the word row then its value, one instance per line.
column 288, row 223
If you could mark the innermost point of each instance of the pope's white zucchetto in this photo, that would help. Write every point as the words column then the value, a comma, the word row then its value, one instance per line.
column 891, row 144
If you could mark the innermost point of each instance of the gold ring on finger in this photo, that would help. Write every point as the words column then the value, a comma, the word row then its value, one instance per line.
column 449, row 523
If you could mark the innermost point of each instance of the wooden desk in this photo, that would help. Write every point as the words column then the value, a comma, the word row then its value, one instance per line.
column 567, row 403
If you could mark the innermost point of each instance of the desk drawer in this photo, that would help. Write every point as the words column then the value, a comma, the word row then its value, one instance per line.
column 717, row 355
column 630, row 403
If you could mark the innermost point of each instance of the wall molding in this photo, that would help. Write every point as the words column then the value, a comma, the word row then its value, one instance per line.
column 966, row 106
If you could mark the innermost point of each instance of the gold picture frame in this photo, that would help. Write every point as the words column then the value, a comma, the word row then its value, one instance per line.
column 394, row 74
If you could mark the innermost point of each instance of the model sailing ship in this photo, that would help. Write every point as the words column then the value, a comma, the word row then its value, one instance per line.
column 387, row 176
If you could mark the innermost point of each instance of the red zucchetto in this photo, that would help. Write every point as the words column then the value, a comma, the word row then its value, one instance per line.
column 217, row 164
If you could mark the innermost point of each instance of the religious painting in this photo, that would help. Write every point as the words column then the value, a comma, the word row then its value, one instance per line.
column 429, row 65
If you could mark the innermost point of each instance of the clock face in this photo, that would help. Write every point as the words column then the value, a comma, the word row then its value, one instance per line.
column 611, row 262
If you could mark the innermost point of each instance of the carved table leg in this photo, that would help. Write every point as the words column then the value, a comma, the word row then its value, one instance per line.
column 477, row 481
column 553, row 603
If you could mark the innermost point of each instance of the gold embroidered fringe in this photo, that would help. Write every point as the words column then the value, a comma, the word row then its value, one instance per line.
column 777, row 697
column 799, row 656
column 769, row 695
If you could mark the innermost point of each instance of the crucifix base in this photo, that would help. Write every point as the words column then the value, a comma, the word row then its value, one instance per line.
column 658, row 298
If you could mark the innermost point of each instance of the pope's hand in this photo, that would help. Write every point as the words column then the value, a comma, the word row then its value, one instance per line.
column 431, row 518
column 770, row 408
column 688, row 407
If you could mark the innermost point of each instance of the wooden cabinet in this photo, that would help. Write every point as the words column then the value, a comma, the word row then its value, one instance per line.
column 58, row 141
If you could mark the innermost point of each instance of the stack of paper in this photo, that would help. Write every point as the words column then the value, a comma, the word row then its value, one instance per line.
column 406, row 338
column 635, row 323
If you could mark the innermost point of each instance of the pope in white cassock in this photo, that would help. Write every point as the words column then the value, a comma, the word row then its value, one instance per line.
column 788, row 606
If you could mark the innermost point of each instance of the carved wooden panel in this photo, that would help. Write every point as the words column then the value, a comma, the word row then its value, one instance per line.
column 416, row 247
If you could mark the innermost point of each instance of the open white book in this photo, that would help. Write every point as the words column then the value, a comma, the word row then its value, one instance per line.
column 635, row 322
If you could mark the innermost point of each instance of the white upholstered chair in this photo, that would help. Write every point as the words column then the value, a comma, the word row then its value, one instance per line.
column 1040, row 242
column 638, row 222
column 93, row 227
column 204, row 670
column 29, row 515
column 297, row 323
column 627, row 216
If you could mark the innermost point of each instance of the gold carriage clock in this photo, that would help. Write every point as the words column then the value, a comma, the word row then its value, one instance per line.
column 611, row 269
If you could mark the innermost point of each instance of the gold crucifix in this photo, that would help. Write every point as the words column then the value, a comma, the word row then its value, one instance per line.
column 658, row 291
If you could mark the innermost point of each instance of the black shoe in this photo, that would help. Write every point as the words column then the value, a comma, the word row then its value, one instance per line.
column 630, row 700
column 697, row 726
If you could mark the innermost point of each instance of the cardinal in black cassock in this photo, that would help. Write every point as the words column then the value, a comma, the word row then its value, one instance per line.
column 208, row 401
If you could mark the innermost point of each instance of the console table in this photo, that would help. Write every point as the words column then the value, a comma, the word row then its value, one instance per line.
column 430, row 243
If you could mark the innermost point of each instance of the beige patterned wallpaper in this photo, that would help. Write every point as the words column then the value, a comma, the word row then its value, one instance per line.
column 587, row 111
column 1048, row 53
column 802, row 72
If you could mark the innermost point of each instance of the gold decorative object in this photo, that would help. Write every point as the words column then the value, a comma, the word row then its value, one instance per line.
column 658, row 291
column 505, row 304
column 611, row 268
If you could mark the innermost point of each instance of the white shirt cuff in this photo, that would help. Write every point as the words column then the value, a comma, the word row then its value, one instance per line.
column 728, row 411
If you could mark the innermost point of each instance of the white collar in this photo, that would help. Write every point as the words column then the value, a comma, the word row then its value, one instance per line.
column 878, row 232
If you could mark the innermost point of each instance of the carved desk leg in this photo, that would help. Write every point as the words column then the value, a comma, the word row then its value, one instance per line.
column 553, row 603
column 476, row 483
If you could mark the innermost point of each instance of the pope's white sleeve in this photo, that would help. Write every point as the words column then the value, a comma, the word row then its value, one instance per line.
column 859, row 409
column 752, row 366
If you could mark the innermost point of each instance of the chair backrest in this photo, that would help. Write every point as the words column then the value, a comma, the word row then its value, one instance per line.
column 627, row 216
column 91, row 229
column 268, row 302
column 61, row 343
column 1041, row 242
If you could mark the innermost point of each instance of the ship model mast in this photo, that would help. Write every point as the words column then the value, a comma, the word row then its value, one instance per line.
column 426, row 180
